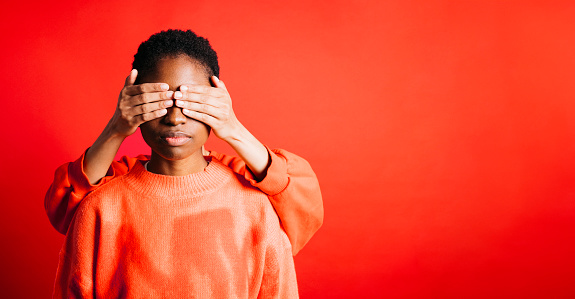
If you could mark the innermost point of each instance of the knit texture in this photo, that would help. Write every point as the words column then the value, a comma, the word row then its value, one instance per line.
column 209, row 234
column 290, row 184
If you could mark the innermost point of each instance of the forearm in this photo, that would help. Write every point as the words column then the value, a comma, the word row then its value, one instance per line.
column 251, row 150
column 101, row 154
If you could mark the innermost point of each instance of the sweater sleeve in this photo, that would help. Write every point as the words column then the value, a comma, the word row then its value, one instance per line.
column 71, row 185
column 290, row 183
column 292, row 188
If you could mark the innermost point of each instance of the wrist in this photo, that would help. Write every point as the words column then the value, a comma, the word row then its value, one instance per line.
column 251, row 151
column 238, row 134
column 112, row 134
column 114, row 131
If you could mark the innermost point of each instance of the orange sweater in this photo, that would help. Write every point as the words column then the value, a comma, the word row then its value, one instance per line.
column 205, row 235
column 290, row 185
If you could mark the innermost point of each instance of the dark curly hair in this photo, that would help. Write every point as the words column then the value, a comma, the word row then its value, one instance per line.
column 175, row 42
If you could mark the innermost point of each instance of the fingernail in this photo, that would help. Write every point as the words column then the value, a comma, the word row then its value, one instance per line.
column 217, row 79
column 165, row 86
column 169, row 94
column 183, row 88
column 179, row 103
column 168, row 103
column 185, row 111
column 177, row 95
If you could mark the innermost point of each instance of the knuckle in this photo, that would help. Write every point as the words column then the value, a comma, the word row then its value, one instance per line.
column 146, row 117
column 145, row 87
column 144, row 98
column 218, row 92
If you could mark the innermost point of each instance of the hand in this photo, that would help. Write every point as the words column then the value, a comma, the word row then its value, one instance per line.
column 213, row 107
column 138, row 104
column 210, row 105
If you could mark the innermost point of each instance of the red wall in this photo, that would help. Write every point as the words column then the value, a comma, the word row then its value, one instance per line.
column 442, row 132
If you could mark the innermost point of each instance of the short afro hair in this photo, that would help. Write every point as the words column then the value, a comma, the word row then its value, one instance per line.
column 175, row 42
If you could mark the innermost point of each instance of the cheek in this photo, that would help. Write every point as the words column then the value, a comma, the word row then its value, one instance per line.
column 147, row 132
column 150, row 134
column 199, row 128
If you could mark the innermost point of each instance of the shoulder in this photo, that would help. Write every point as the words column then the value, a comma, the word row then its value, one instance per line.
column 104, row 197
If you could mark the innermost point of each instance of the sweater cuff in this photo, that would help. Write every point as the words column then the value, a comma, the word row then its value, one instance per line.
column 276, row 179
column 78, row 178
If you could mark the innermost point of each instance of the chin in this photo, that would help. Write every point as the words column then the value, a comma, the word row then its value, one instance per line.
column 176, row 154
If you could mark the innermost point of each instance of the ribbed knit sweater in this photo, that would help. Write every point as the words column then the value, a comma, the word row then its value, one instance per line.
column 205, row 235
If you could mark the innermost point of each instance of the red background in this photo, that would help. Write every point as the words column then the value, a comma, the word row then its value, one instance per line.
column 442, row 132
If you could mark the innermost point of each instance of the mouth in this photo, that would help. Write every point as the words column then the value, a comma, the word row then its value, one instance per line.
column 175, row 138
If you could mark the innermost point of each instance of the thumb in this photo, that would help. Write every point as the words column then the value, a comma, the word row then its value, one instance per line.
column 219, row 83
column 131, row 79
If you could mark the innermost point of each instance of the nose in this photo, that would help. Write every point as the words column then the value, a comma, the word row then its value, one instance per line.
column 174, row 117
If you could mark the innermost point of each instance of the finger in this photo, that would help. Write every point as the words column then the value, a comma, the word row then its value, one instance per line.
column 219, row 83
column 202, row 108
column 201, row 117
column 149, row 97
column 133, row 90
column 131, row 77
column 216, row 92
column 199, row 98
column 198, row 89
column 150, row 107
column 142, row 118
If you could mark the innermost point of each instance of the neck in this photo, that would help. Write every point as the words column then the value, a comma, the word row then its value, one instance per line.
column 192, row 164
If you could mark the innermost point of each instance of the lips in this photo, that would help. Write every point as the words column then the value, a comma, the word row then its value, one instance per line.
column 175, row 138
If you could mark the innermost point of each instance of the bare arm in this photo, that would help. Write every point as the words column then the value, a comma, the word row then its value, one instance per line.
column 287, row 179
column 213, row 106
column 136, row 104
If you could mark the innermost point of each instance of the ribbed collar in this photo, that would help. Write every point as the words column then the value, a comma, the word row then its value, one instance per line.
column 174, row 187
